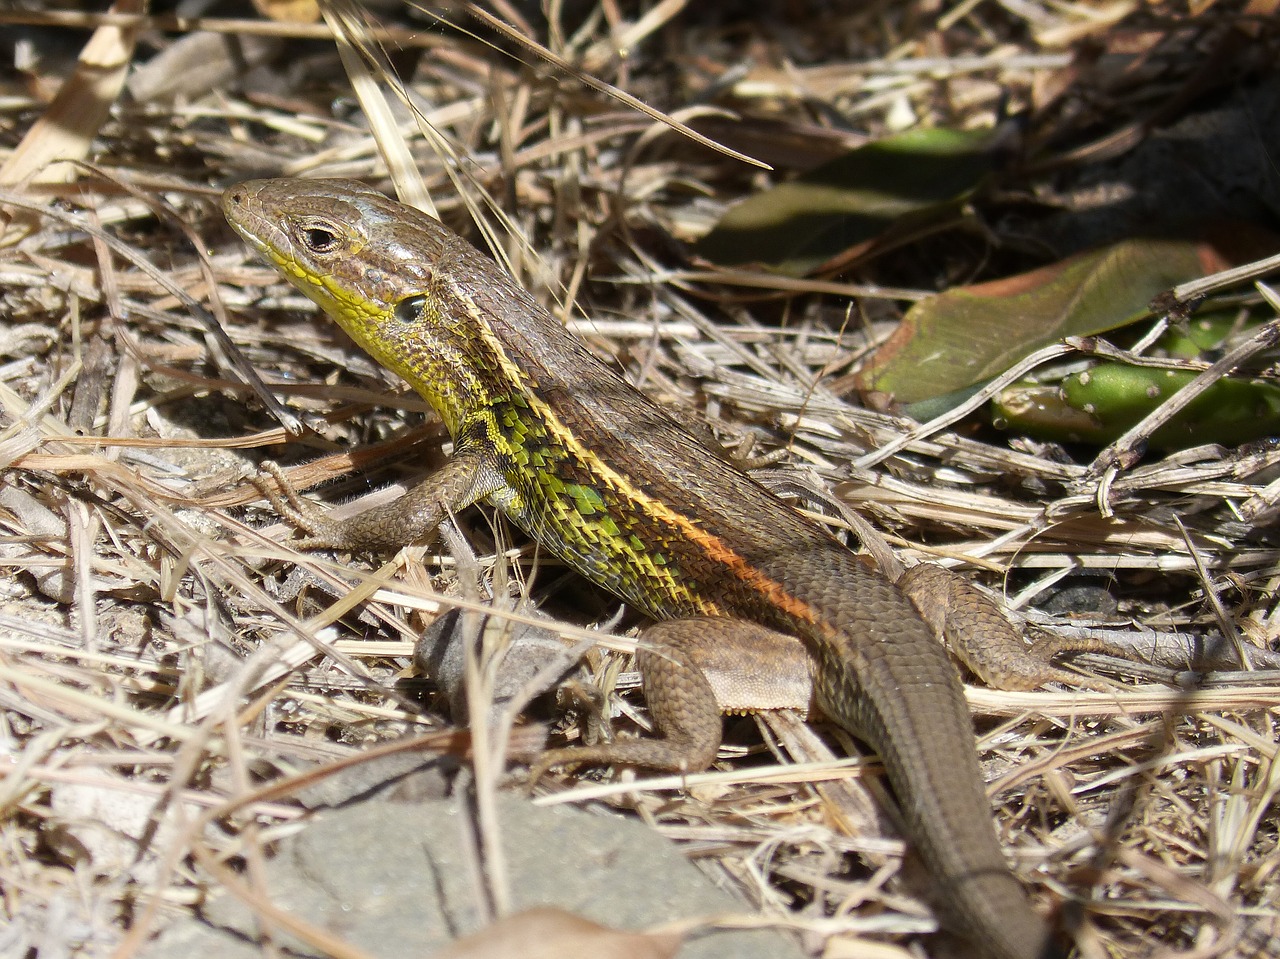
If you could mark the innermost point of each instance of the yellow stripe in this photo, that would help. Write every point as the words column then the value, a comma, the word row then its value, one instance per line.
column 713, row 546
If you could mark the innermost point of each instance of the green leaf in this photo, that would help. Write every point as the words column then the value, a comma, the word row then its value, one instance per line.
column 969, row 335
column 1103, row 402
column 849, row 201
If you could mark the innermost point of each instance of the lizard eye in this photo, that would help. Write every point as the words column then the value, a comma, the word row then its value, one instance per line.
column 319, row 239
column 410, row 308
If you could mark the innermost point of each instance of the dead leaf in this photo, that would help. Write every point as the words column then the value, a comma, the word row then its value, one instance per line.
column 546, row 932
column 68, row 126
column 289, row 11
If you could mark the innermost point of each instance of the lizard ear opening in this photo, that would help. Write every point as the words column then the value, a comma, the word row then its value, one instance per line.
column 410, row 308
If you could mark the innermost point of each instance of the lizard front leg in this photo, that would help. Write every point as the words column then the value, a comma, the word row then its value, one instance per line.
column 413, row 519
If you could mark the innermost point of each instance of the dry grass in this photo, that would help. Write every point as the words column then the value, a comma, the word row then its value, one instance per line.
column 156, row 663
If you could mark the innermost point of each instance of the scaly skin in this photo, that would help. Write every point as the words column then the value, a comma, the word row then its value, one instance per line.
column 614, row 486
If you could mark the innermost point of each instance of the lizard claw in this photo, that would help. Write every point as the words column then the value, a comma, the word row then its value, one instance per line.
column 277, row 489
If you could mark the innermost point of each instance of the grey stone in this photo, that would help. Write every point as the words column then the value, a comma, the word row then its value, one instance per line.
column 397, row 880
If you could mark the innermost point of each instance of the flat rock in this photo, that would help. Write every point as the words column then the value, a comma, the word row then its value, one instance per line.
column 396, row 880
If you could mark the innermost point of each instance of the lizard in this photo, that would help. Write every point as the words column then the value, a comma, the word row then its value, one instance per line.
column 615, row 487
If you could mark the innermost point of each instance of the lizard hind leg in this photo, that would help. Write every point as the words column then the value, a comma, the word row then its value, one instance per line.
column 693, row 671
column 983, row 638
